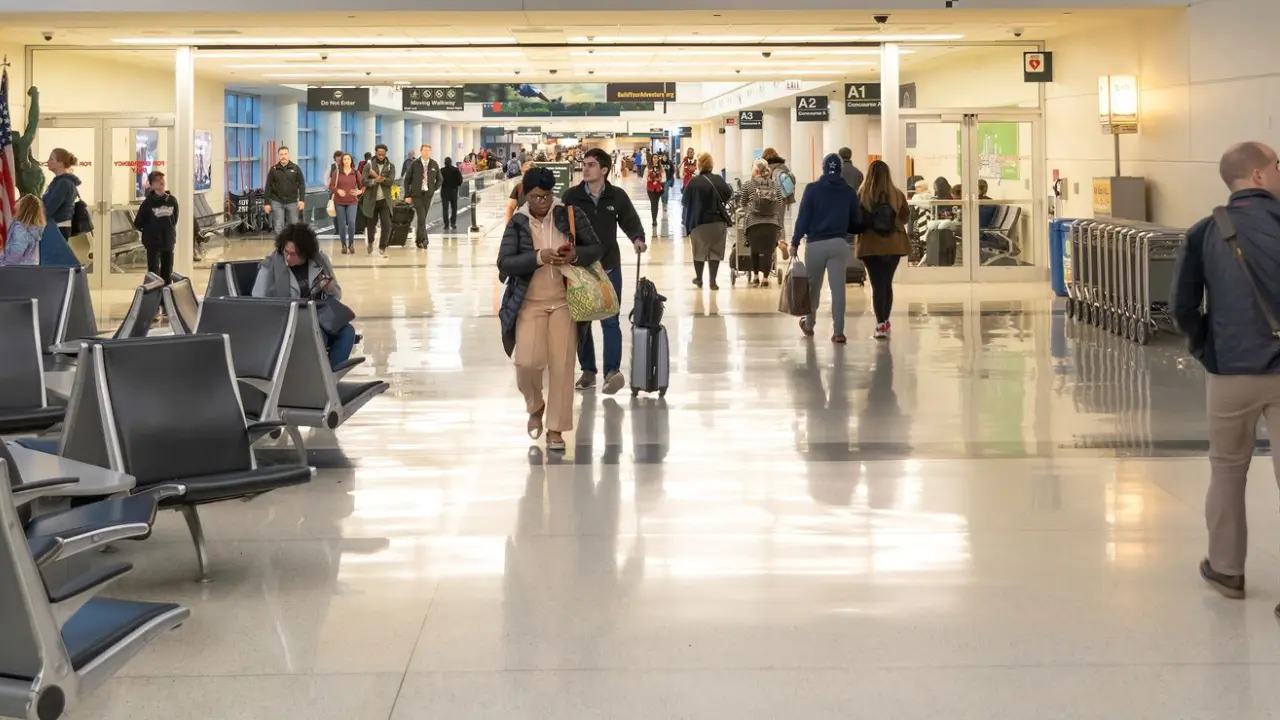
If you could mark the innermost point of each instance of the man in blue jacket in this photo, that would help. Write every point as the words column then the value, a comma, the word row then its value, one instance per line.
column 830, row 215
column 1237, row 340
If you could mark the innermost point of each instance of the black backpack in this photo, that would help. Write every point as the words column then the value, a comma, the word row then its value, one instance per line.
column 884, row 217
column 647, row 311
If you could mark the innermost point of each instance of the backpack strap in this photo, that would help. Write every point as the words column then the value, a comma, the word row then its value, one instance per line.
column 1228, row 230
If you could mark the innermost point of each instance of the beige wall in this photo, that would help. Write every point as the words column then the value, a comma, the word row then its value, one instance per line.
column 114, row 83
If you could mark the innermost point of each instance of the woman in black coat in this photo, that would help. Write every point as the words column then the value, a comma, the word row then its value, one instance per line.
column 538, row 332
column 706, row 220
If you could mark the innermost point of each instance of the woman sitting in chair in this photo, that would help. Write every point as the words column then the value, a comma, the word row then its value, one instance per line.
column 299, row 269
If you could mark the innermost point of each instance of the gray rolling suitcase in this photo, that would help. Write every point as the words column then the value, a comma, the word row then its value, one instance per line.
column 650, row 352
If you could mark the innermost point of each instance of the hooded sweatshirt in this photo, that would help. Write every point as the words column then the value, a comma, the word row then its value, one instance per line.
column 829, row 208
column 778, row 166
column 60, row 198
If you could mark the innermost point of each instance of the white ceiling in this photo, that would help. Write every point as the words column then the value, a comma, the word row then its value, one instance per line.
column 357, row 43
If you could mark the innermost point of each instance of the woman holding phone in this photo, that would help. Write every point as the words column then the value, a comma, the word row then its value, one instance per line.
column 299, row 269
column 537, row 330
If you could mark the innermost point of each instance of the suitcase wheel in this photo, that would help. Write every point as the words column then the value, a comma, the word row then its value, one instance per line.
column 662, row 392
column 635, row 393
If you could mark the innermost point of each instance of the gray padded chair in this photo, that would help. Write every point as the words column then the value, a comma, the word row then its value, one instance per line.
column 261, row 334
column 66, row 310
column 181, row 305
column 232, row 278
column 147, row 299
column 167, row 411
column 311, row 394
column 24, row 404
column 59, row 645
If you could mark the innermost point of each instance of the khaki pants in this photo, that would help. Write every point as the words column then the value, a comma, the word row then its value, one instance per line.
column 1235, row 403
column 547, row 340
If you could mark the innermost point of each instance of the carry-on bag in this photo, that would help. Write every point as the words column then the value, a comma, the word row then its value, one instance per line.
column 588, row 290
column 855, row 273
column 794, row 299
column 401, row 224
column 650, row 351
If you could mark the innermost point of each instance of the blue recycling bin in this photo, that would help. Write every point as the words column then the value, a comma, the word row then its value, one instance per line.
column 1060, row 254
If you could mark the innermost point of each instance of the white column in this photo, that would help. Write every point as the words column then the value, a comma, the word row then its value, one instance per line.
column 416, row 136
column 393, row 136
column 715, row 145
column 777, row 130
column 477, row 141
column 749, row 141
column 286, row 133
column 332, row 139
column 368, row 137
column 435, row 139
column 851, row 131
column 732, row 160
column 806, row 150
column 181, row 179
column 891, row 141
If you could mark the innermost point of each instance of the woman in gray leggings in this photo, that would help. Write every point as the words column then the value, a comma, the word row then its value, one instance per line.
column 829, row 216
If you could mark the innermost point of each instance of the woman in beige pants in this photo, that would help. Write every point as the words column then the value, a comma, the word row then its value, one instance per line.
column 537, row 330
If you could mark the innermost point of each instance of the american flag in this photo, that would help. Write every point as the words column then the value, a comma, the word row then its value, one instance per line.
column 8, row 194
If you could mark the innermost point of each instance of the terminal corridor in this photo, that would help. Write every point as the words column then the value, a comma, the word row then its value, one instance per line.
column 962, row 522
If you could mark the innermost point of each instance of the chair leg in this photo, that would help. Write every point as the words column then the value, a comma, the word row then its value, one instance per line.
column 295, row 436
column 197, row 537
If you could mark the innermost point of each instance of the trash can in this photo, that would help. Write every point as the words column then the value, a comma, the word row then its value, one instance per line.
column 1060, row 254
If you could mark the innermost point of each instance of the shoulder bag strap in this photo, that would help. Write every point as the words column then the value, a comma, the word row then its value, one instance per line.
column 573, row 225
column 1228, row 230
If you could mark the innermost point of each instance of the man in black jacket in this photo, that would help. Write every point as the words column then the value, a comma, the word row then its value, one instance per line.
column 157, row 220
column 608, row 208
column 421, row 182
column 286, row 192
column 1237, row 340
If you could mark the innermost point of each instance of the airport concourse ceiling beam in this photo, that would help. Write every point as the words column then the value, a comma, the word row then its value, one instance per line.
column 71, row 7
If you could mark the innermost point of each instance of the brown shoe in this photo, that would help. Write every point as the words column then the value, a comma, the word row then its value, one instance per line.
column 1231, row 586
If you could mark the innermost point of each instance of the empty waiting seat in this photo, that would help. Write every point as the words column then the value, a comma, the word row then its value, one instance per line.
column 232, row 279
column 66, row 311
column 174, row 422
column 312, row 394
column 24, row 404
column 60, row 644
column 181, row 305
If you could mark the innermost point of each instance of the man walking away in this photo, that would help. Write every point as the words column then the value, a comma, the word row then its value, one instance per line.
column 157, row 220
column 285, row 192
column 1233, row 260
column 848, row 170
column 375, row 204
column 608, row 208
column 422, row 181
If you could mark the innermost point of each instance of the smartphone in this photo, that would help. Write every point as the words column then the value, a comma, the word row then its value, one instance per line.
column 564, row 249
column 317, row 287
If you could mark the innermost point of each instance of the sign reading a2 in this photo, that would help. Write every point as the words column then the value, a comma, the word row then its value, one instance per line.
column 807, row 103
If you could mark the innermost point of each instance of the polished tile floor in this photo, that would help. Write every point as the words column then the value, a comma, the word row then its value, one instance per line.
column 997, row 514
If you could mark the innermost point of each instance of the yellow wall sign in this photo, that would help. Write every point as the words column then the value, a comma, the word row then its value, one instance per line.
column 1102, row 196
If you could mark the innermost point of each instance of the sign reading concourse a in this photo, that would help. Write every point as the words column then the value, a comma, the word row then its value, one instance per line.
column 641, row 92
column 750, row 119
column 811, row 108
column 333, row 99
column 432, row 98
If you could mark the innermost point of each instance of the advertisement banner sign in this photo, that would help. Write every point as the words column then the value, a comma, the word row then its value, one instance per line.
column 812, row 108
column 750, row 119
column 432, row 98
column 330, row 99
column 641, row 92
column 516, row 100
column 204, row 161
column 862, row 98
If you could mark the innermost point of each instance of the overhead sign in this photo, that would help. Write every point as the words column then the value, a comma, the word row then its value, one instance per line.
column 686, row 131
column 564, row 175
column 730, row 122
column 527, row 129
column 750, row 120
column 812, row 108
column 641, row 92
column 1037, row 67
column 331, row 99
column 862, row 98
column 432, row 98
column 658, row 130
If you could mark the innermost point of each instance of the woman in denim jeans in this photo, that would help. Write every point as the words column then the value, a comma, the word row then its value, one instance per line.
column 347, row 189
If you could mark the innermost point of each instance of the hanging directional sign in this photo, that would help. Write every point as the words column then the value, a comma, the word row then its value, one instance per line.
column 432, row 98
column 332, row 99
column 862, row 98
column 812, row 108
column 1037, row 67
column 750, row 120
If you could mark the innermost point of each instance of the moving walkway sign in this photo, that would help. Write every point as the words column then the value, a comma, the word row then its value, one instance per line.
column 750, row 120
column 861, row 99
column 812, row 108
column 432, row 98
column 334, row 99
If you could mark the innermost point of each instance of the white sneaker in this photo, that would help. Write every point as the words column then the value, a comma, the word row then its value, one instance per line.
column 882, row 332
column 383, row 253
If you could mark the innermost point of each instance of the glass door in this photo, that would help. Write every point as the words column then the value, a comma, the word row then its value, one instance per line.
column 976, row 187
column 115, row 156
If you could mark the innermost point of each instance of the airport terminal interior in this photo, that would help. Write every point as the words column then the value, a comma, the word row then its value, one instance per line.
column 991, row 506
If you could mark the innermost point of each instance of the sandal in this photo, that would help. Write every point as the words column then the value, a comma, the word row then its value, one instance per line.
column 535, row 423
column 555, row 442
column 839, row 339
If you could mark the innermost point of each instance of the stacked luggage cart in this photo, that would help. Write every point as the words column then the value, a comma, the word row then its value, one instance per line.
column 1120, row 274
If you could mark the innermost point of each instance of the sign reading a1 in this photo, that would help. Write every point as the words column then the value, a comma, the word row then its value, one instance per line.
column 812, row 108
column 862, row 98
column 750, row 120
